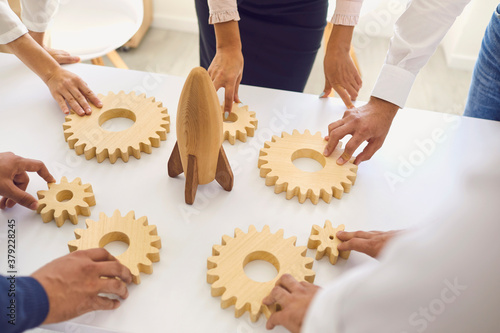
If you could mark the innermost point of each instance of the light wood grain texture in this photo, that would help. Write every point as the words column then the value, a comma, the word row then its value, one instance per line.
column 142, row 239
column 240, row 124
column 151, row 125
column 146, row 23
column 97, row 61
column 276, row 165
column 116, row 60
column 199, row 136
column 226, row 268
column 65, row 201
column 326, row 242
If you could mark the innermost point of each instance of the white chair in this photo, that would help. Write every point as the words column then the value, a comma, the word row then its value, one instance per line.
column 91, row 29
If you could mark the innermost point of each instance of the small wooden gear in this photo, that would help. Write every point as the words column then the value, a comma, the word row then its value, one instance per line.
column 326, row 242
column 142, row 239
column 240, row 124
column 226, row 268
column 151, row 125
column 65, row 201
column 276, row 165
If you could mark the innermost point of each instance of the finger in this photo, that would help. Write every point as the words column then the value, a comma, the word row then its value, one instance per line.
column 67, row 59
column 288, row 282
column 327, row 91
column 10, row 203
column 277, row 295
column 357, row 78
column 38, row 167
column 352, row 91
column 3, row 202
column 90, row 95
column 350, row 148
column 62, row 103
column 228, row 100
column 105, row 303
column 73, row 103
column 335, row 137
column 98, row 254
column 344, row 95
column 21, row 180
column 23, row 198
column 335, row 125
column 237, row 89
column 368, row 152
column 276, row 319
column 81, row 100
column 114, row 269
column 113, row 286
column 355, row 244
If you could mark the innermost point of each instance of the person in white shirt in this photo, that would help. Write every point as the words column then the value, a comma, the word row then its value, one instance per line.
column 25, row 40
column 442, row 276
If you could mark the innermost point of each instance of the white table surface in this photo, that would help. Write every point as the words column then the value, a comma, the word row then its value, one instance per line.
column 176, row 297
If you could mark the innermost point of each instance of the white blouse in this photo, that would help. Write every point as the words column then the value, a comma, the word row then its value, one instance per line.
column 35, row 14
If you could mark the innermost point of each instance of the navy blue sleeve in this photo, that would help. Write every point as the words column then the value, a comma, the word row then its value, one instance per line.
column 24, row 304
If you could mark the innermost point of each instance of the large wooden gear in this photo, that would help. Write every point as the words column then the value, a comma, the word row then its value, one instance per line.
column 240, row 124
column 326, row 242
column 226, row 268
column 276, row 165
column 151, row 125
column 65, row 201
column 142, row 239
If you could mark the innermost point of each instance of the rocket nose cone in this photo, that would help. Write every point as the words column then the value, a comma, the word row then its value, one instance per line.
column 198, row 89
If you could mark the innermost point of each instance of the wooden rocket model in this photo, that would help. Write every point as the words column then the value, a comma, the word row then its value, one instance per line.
column 198, row 151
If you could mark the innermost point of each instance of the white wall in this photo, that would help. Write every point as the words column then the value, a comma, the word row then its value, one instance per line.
column 175, row 15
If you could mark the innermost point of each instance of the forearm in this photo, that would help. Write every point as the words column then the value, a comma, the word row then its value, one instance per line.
column 24, row 304
column 227, row 35
column 418, row 33
column 340, row 38
column 34, row 56
column 37, row 36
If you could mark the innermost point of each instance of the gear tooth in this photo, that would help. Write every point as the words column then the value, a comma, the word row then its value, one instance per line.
column 292, row 240
column 238, row 232
column 78, row 233
column 280, row 233
column 73, row 245
column 143, row 220
column 216, row 249
column 295, row 132
column 117, row 214
column 307, row 132
column 226, row 239
column 212, row 262
column 76, row 181
column 274, row 139
column 266, row 229
column 64, row 180
column 251, row 228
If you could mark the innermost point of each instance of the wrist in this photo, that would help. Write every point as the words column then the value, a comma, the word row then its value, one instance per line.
column 228, row 36
column 340, row 39
column 38, row 37
column 383, row 104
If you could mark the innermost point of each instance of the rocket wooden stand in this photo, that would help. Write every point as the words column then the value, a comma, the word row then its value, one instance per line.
column 198, row 151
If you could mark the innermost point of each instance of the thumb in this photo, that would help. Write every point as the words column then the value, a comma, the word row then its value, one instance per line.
column 327, row 91
column 23, row 198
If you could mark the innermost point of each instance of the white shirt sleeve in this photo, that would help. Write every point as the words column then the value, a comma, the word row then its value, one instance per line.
column 443, row 277
column 417, row 34
column 37, row 14
column 11, row 27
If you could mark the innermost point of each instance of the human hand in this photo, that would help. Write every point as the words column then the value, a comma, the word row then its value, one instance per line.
column 14, row 180
column 73, row 283
column 294, row 298
column 367, row 242
column 62, row 57
column 226, row 69
column 342, row 75
column 69, row 87
column 370, row 123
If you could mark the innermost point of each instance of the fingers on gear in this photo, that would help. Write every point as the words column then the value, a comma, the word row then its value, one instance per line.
column 143, row 241
column 65, row 201
column 87, row 136
column 325, row 241
column 276, row 166
column 226, row 268
column 240, row 124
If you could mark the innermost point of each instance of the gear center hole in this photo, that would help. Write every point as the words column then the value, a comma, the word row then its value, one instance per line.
column 308, row 160
column 261, row 266
column 64, row 196
column 117, row 120
column 232, row 118
column 115, row 243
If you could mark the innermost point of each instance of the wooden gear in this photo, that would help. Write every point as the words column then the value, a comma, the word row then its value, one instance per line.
column 326, row 242
column 142, row 239
column 65, row 201
column 198, row 151
column 226, row 268
column 240, row 124
column 151, row 125
column 276, row 165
